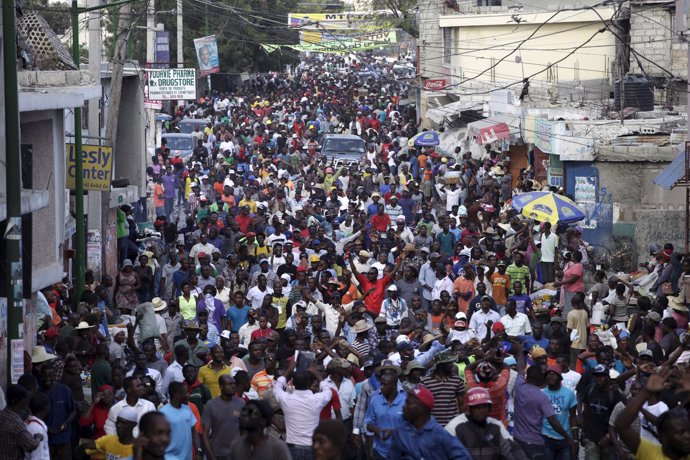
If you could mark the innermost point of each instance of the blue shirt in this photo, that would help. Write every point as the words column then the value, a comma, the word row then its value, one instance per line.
column 238, row 316
column 385, row 416
column 431, row 442
column 522, row 302
column 61, row 405
column 562, row 401
column 182, row 422
column 529, row 341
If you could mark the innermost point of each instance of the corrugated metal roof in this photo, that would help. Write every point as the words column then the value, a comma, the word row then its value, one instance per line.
column 673, row 173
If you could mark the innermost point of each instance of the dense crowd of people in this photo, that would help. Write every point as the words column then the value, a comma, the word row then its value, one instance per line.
column 282, row 305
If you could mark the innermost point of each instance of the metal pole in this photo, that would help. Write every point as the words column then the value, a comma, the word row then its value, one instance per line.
column 13, row 229
column 180, row 43
column 687, row 195
column 80, row 245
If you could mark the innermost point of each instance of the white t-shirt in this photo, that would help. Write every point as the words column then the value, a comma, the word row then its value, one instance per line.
column 571, row 379
column 256, row 296
column 548, row 247
column 646, row 427
column 36, row 426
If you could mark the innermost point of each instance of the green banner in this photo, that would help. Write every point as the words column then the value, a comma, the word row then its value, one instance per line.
column 348, row 45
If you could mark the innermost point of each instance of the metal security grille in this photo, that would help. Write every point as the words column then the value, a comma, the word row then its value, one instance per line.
column 45, row 48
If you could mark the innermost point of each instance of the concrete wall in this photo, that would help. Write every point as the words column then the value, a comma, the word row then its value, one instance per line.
column 484, row 39
column 130, row 158
column 629, row 211
column 44, row 130
column 651, row 35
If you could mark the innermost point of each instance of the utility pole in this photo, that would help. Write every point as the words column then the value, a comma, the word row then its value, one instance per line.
column 95, row 211
column 123, row 27
column 80, row 245
column 150, row 59
column 13, row 231
column 180, row 42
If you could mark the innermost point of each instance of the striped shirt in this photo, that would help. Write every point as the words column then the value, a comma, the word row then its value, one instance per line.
column 446, row 392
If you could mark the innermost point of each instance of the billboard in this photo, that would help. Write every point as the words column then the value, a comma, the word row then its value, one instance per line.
column 97, row 167
column 348, row 45
column 171, row 84
column 207, row 55
column 336, row 21
column 162, row 49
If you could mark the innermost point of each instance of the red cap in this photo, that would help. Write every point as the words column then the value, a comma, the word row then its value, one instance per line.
column 202, row 254
column 556, row 369
column 497, row 328
column 424, row 395
column 478, row 396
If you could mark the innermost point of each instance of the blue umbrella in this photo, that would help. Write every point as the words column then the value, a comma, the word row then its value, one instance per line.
column 547, row 207
column 425, row 139
column 163, row 117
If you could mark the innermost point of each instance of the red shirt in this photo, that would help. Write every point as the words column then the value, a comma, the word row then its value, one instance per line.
column 380, row 223
column 243, row 222
column 259, row 333
column 99, row 415
column 497, row 392
column 373, row 301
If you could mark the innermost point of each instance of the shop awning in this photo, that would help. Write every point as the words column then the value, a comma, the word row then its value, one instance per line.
column 493, row 129
column 454, row 109
column 673, row 174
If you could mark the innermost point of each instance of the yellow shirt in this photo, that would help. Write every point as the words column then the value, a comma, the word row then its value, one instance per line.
column 651, row 451
column 250, row 203
column 110, row 448
column 209, row 377
column 187, row 307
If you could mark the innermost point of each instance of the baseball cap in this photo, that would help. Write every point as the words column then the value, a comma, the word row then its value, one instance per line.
column 555, row 369
column 423, row 394
column 477, row 396
column 460, row 315
column 392, row 287
column 497, row 328
column 601, row 369
column 654, row 316
column 647, row 353
column 537, row 352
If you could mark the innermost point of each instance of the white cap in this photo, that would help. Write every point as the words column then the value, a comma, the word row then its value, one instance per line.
column 128, row 413
column 225, row 334
column 392, row 287
column 401, row 338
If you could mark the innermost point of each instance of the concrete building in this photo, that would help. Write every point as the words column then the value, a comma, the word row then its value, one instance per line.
column 47, row 227
column 566, row 126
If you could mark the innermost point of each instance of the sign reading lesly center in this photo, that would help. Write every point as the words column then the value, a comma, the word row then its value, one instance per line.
column 97, row 167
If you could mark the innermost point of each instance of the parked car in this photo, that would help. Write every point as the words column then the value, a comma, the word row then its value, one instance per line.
column 343, row 149
column 179, row 143
column 188, row 125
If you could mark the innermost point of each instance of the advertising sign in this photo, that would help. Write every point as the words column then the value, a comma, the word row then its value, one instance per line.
column 162, row 49
column 349, row 45
column 171, row 84
column 336, row 21
column 97, row 167
column 435, row 85
column 207, row 55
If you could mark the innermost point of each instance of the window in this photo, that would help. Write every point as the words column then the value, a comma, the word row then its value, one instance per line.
column 447, row 44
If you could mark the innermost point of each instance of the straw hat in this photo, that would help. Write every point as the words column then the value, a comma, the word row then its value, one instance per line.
column 362, row 326
column 428, row 339
column 40, row 355
column 159, row 304
column 677, row 304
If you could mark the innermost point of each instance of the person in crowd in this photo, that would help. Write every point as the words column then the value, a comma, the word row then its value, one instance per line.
column 386, row 305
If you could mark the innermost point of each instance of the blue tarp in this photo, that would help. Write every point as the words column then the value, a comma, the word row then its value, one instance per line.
column 673, row 173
